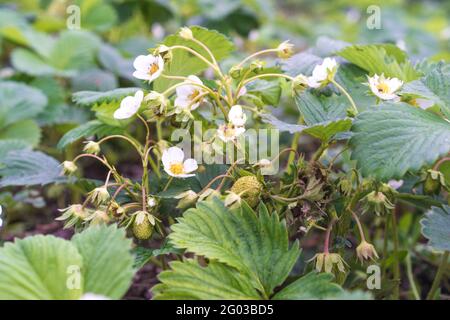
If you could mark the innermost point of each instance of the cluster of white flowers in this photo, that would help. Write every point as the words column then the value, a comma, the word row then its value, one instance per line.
column 235, row 126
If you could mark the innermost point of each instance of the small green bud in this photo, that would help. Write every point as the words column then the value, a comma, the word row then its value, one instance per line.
column 285, row 50
column 257, row 66
column 186, row 33
column 99, row 195
column 91, row 147
column 235, row 72
column 69, row 167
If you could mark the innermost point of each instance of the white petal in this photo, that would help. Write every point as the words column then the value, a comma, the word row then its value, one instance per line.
column 142, row 63
column 313, row 83
column 175, row 154
column 123, row 113
column 139, row 96
column 182, row 102
column 394, row 84
column 185, row 90
column 184, row 175
column 195, row 79
column 127, row 102
column 141, row 75
column 195, row 106
column 238, row 131
column 190, row 165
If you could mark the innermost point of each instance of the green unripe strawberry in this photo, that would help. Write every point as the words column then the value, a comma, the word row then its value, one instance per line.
column 249, row 189
column 142, row 227
column 433, row 182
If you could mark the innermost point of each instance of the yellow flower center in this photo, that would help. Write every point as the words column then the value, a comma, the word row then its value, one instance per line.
column 177, row 168
column 228, row 131
column 153, row 68
column 383, row 87
column 194, row 94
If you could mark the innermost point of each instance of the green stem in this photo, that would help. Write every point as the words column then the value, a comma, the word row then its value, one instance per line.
column 294, row 146
column 341, row 88
column 396, row 265
column 240, row 64
column 320, row 151
column 198, row 55
column 438, row 277
column 267, row 75
column 411, row 277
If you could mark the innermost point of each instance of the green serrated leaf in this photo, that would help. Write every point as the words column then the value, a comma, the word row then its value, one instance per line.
column 89, row 98
column 8, row 145
column 436, row 226
column 379, row 59
column 37, row 268
column 88, row 129
column 320, row 109
column 24, row 130
column 239, row 239
column 324, row 131
column 393, row 138
column 189, row 281
column 19, row 102
column 107, row 260
column 26, row 168
column 434, row 86
column 311, row 286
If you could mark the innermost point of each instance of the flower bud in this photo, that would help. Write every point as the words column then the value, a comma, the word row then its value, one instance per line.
column 378, row 202
column 366, row 251
column 285, row 50
column 99, row 217
column 300, row 83
column 232, row 200
column 69, row 167
column 208, row 193
column 186, row 33
column 152, row 202
column 327, row 261
column 257, row 66
column 235, row 72
column 249, row 189
column 99, row 195
column 187, row 199
column 156, row 101
column 91, row 147
column 73, row 215
column 164, row 52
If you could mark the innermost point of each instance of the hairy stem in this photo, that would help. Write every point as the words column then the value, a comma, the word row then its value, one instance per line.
column 438, row 277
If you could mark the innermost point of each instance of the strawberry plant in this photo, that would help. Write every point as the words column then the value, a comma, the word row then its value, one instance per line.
column 274, row 174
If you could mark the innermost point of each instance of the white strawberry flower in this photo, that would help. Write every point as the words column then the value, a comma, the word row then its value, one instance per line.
column 236, row 116
column 189, row 94
column 229, row 132
column 129, row 106
column 384, row 88
column 175, row 165
column 322, row 73
column 148, row 67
